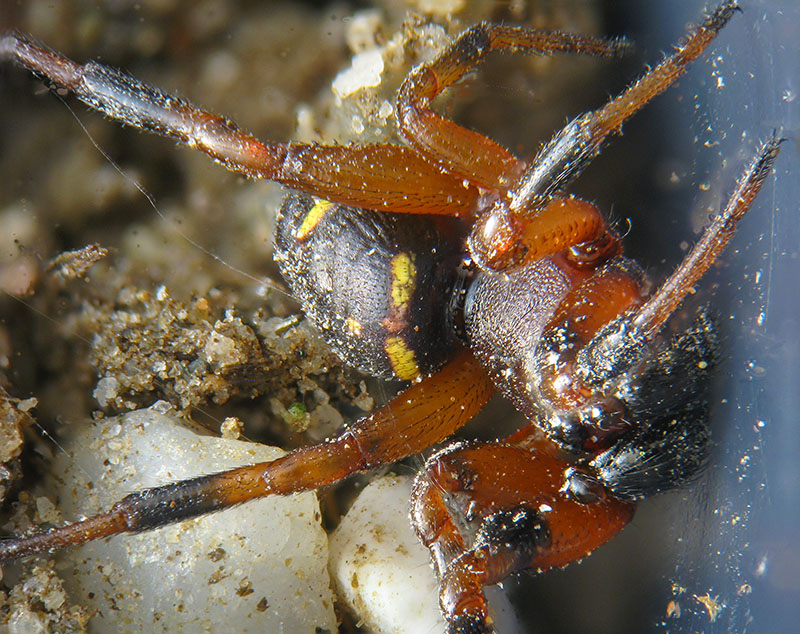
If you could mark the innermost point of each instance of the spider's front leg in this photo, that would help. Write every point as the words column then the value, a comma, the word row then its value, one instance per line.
column 425, row 414
column 377, row 176
column 463, row 151
column 529, row 223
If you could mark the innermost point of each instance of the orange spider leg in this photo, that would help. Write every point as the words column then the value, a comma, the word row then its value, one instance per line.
column 610, row 117
column 513, row 497
column 380, row 177
column 652, row 315
column 638, row 327
column 501, row 238
column 475, row 157
column 425, row 414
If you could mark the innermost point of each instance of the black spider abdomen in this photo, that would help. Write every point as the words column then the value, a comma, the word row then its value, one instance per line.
column 378, row 285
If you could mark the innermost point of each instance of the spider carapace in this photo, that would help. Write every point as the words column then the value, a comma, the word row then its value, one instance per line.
column 451, row 263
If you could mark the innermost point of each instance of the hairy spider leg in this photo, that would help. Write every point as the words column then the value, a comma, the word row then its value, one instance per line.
column 522, row 520
column 521, row 227
column 632, row 332
column 466, row 152
column 379, row 176
column 426, row 413
column 715, row 238
column 563, row 158
column 516, row 497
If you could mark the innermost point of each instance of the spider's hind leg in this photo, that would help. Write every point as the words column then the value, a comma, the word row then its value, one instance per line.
column 425, row 414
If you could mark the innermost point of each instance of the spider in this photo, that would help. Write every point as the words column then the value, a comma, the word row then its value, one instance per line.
column 546, row 310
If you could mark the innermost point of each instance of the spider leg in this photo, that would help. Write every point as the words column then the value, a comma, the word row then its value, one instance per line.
column 519, row 229
column 379, row 176
column 513, row 500
column 571, row 149
column 475, row 157
column 425, row 414
column 616, row 347
column 715, row 238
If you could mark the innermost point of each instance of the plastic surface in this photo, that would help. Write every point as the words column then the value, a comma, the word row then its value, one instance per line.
column 740, row 539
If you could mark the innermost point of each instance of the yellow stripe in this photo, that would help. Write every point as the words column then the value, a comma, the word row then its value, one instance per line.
column 312, row 218
column 404, row 279
column 402, row 359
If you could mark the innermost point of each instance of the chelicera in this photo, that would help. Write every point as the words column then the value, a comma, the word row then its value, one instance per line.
column 453, row 264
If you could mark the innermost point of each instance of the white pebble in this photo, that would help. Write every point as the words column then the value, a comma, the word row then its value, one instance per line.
column 365, row 72
column 260, row 567
column 383, row 573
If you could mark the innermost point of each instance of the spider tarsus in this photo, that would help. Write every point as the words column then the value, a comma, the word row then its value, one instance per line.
column 96, row 527
column 722, row 14
column 620, row 47
column 469, row 624
column 767, row 153
column 470, row 46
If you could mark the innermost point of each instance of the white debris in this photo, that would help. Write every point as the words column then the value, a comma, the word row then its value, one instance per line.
column 439, row 7
column 364, row 72
column 106, row 391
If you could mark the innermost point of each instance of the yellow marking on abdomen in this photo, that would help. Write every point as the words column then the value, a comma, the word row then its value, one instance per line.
column 402, row 358
column 404, row 279
column 312, row 218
